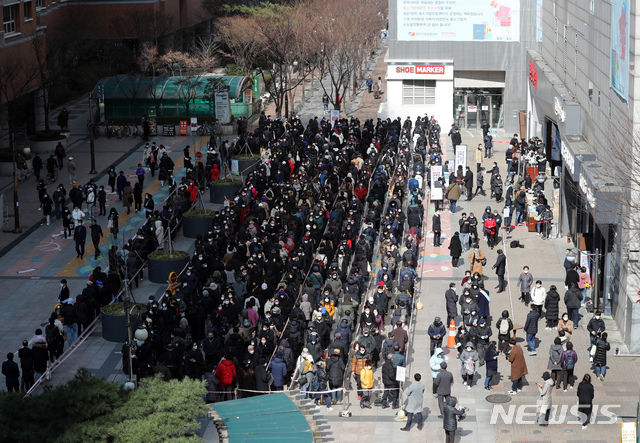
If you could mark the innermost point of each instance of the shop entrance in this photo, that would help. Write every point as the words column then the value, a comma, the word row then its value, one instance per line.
column 472, row 106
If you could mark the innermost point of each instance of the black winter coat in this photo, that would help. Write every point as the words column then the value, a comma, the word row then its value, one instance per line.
column 335, row 369
column 600, row 359
column 455, row 246
column 573, row 298
column 552, row 305
column 450, row 422
column 389, row 374
column 500, row 265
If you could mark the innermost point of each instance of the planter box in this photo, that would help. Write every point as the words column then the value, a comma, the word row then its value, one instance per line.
column 159, row 270
column 192, row 226
column 6, row 169
column 247, row 165
column 114, row 327
column 45, row 147
column 217, row 194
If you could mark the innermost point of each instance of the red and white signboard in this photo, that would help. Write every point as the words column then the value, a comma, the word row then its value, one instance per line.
column 420, row 71
column 472, row 108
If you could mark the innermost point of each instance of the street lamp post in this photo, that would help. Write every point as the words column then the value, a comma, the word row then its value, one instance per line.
column 91, row 142
column 16, row 201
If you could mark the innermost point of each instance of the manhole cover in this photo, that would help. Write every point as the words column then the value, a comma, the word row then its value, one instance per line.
column 498, row 398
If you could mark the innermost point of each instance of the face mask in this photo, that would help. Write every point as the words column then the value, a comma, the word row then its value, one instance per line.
column 597, row 317
column 326, row 300
column 251, row 352
column 565, row 318
column 362, row 351
column 367, row 312
column 195, row 348
column 538, row 286
column 475, row 250
column 526, row 272
column 264, row 342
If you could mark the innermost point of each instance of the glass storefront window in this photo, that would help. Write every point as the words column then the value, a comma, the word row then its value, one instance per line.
column 472, row 106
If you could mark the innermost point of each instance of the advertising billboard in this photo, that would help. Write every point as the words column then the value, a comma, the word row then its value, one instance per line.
column 459, row 20
column 620, row 23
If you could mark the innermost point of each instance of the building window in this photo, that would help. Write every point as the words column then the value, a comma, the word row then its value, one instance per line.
column 9, row 18
column 598, row 98
column 27, row 11
column 419, row 92
column 38, row 4
column 592, row 6
column 590, row 90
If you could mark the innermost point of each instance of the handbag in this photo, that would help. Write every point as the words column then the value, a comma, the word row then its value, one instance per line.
column 130, row 199
column 592, row 351
column 110, row 224
column 483, row 262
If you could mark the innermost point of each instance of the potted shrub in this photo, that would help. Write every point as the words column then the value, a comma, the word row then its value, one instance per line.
column 223, row 188
column 163, row 262
column 197, row 221
column 114, row 320
column 45, row 142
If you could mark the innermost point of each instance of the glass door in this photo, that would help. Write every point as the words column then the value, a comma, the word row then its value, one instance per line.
column 458, row 110
column 472, row 111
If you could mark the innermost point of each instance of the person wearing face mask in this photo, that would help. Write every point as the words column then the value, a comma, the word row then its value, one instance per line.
column 366, row 382
column 552, row 307
column 468, row 307
column 436, row 332
column 358, row 363
column 468, row 357
column 477, row 259
column 524, row 283
column 595, row 327
column 531, row 329
column 538, row 297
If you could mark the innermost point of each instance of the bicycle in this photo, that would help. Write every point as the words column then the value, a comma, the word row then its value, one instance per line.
column 52, row 176
column 206, row 129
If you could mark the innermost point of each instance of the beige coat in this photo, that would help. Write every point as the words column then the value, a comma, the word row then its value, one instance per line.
column 476, row 265
column 479, row 155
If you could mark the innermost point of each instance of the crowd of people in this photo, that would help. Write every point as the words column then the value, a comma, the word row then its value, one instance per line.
column 280, row 292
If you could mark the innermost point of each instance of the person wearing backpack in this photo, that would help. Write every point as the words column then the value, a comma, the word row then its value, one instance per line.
column 55, row 340
column 319, row 384
column 568, row 363
column 504, row 325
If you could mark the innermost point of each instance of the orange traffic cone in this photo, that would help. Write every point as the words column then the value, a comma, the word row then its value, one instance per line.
column 452, row 335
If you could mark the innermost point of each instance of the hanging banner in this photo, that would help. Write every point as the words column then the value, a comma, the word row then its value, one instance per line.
column 335, row 116
column 153, row 127
column 223, row 107
column 235, row 168
column 194, row 125
column 183, row 127
column 248, row 96
column 584, row 261
column 256, row 86
column 620, row 24
column 461, row 157
column 436, row 192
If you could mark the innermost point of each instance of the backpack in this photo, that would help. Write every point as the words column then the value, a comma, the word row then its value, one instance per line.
column 52, row 334
column 516, row 244
column 315, row 382
column 504, row 326
column 570, row 362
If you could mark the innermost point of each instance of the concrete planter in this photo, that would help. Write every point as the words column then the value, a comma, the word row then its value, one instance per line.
column 159, row 270
column 192, row 226
column 45, row 147
column 246, row 165
column 218, row 193
column 114, row 327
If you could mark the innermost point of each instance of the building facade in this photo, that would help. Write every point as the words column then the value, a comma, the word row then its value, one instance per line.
column 581, row 102
column 463, row 61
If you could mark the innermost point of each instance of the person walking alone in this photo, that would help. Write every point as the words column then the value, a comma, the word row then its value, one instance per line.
column 415, row 397
column 96, row 234
column 518, row 366
column 585, row 399
column 80, row 237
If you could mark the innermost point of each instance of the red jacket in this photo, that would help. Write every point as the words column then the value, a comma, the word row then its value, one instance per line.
column 226, row 372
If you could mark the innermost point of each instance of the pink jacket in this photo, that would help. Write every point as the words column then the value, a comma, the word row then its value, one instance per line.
column 584, row 280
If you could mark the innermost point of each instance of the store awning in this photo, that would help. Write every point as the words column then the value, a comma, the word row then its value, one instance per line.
column 266, row 418
column 130, row 86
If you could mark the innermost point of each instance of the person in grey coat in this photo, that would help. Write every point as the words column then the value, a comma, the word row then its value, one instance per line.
column 414, row 395
column 443, row 383
column 545, row 390
column 524, row 283
column 555, row 355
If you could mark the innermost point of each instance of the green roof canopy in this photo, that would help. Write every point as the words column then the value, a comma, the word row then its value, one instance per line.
column 126, row 87
column 266, row 418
